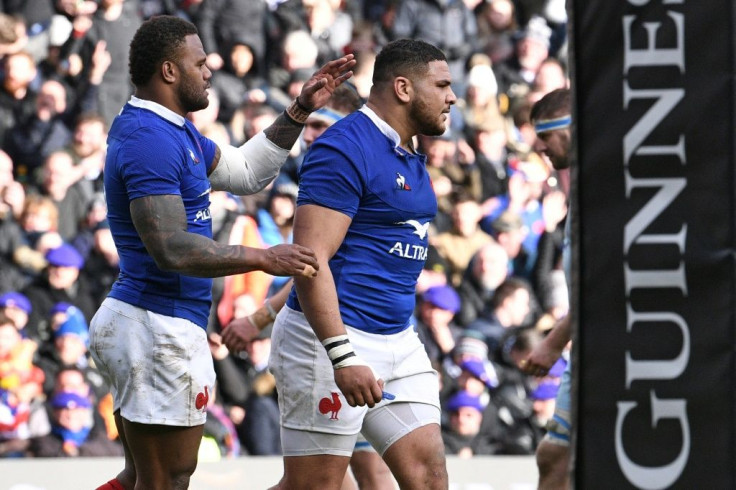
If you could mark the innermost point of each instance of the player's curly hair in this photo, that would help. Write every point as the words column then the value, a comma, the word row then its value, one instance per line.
column 157, row 40
column 405, row 57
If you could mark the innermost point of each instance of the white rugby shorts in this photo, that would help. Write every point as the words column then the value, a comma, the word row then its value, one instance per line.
column 159, row 368
column 309, row 399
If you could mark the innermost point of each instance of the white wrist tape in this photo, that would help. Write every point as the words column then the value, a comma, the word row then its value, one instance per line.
column 341, row 352
column 249, row 168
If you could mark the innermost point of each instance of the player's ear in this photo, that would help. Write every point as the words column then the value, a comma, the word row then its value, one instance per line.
column 169, row 71
column 403, row 89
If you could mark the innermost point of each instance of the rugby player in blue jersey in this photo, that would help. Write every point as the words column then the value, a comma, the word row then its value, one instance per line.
column 364, row 206
column 148, row 337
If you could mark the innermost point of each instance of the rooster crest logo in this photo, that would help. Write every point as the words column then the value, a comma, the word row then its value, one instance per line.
column 202, row 399
column 330, row 405
column 419, row 229
column 193, row 156
column 401, row 182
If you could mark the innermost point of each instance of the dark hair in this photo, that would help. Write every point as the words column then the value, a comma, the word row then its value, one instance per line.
column 555, row 104
column 404, row 57
column 157, row 40
column 507, row 289
column 345, row 99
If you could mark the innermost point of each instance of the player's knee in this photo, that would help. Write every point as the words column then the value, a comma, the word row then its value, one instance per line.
column 181, row 480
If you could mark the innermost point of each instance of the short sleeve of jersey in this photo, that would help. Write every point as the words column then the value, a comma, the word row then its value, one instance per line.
column 150, row 164
column 332, row 177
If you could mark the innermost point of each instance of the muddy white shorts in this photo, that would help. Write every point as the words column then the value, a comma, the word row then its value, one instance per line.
column 159, row 368
column 311, row 402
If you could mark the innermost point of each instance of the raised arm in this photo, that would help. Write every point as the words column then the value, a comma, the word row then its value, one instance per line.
column 252, row 166
column 161, row 223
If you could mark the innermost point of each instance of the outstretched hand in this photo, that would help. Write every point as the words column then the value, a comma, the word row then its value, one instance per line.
column 291, row 260
column 319, row 88
column 238, row 333
column 540, row 360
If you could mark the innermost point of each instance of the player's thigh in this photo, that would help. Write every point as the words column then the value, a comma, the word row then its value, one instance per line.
column 314, row 472
column 417, row 460
column 407, row 435
column 162, row 453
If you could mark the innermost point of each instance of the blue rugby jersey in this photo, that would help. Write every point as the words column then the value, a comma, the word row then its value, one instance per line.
column 154, row 151
column 357, row 168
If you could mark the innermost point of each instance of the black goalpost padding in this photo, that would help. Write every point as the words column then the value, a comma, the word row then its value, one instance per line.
column 653, row 247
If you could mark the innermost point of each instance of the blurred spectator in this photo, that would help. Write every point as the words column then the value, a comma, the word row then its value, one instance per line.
column 260, row 431
column 70, row 349
column 276, row 219
column 17, row 307
column 480, row 105
column 434, row 324
column 449, row 164
column 30, row 141
column 458, row 245
column 70, row 379
column 548, row 275
column 37, row 17
column 496, row 27
column 71, row 435
column 59, row 283
column 486, row 271
column 363, row 73
column 13, row 34
column 101, row 267
column 95, row 217
column 489, row 141
column 21, row 416
column 239, row 81
column 12, row 193
column 223, row 24
column 61, row 184
column 39, row 223
column 114, row 22
column 52, row 124
column 435, row 272
column 248, row 388
column 88, row 148
column 513, row 426
column 551, row 75
column 516, row 75
column 330, row 27
column 509, row 307
column 447, row 24
column 12, row 242
column 462, row 435
column 17, row 94
column 298, row 51
column 509, row 231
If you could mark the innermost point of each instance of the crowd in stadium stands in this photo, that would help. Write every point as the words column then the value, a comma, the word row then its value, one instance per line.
column 493, row 281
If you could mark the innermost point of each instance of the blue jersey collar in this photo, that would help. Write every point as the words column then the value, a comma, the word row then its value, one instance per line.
column 162, row 111
column 382, row 125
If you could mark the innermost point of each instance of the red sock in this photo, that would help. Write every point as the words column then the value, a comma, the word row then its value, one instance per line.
column 113, row 484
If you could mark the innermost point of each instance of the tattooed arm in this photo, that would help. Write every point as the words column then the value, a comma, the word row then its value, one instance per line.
column 249, row 168
column 162, row 225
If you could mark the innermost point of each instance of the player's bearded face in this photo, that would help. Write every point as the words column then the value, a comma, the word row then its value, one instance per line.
column 428, row 116
column 193, row 94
